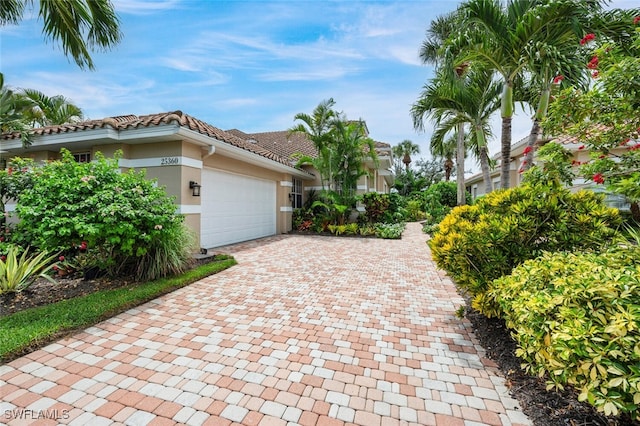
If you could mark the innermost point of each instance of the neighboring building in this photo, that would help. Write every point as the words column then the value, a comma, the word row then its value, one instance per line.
column 247, row 189
column 475, row 184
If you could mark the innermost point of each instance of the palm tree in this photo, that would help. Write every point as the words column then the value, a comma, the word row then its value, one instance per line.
column 563, row 63
column 509, row 39
column 79, row 25
column 12, row 110
column 446, row 150
column 352, row 148
column 317, row 127
column 455, row 101
column 47, row 111
column 405, row 150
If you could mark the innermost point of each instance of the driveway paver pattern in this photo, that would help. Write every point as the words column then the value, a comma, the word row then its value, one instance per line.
column 306, row 330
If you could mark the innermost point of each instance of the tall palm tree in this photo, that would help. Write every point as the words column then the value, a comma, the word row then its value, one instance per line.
column 453, row 102
column 317, row 126
column 49, row 110
column 352, row 148
column 405, row 150
column 509, row 39
column 79, row 25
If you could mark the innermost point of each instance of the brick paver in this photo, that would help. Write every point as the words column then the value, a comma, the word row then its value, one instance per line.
column 306, row 330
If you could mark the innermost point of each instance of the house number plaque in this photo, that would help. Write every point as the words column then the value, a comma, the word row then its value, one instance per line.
column 169, row 161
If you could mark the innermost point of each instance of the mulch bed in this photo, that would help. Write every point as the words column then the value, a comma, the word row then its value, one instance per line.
column 544, row 408
column 43, row 292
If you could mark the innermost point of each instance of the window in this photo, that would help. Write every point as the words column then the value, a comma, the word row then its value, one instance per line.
column 82, row 157
column 296, row 194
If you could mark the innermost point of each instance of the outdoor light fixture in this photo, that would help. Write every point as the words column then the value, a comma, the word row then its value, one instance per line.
column 195, row 188
column 290, row 196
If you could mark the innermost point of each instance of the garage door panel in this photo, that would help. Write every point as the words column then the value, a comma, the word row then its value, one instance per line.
column 235, row 208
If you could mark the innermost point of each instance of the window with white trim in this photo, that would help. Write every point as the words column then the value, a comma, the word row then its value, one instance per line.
column 296, row 193
column 82, row 157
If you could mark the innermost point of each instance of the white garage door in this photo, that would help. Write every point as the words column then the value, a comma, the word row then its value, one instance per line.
column 235, row 208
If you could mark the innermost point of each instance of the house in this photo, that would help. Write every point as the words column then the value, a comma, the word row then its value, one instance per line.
column 475, row 184
column 229, row 186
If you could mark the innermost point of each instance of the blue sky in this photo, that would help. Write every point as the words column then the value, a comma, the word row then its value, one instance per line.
column 250, row 65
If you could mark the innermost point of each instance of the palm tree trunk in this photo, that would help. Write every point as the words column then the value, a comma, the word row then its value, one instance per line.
column 505, row 165
column 541, row 113
column 484, row 166
column 507, row 114
column 448, row 167
column 460, row 165
column 531, row 143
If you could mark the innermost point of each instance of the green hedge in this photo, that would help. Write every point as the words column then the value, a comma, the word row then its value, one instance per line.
column 477, row 244
column 576, row 319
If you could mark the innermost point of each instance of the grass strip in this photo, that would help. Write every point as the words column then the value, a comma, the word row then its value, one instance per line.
column 27, row 330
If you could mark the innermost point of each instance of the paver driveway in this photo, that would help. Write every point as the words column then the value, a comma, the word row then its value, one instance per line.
column 306, row 330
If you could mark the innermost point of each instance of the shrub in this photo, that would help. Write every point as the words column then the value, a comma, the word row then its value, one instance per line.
column 18, row 273
column 438, row 200
column 384, row 208
column 576, row 318
column 477, row 244
column 120, row 219
column 391, row 231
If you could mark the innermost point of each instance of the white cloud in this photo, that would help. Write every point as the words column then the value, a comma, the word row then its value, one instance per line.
column 144, row 7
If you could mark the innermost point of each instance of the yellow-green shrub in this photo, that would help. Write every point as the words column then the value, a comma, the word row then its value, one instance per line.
column 576, row 318
column 477, row 244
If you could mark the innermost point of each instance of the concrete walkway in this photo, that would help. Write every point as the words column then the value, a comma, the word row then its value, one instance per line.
column 305, row 330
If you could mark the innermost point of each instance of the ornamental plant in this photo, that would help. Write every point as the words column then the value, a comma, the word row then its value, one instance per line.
column 605, row 118
column 18, row 273
column 575, row 318
column 110, row 220
column 478, row 244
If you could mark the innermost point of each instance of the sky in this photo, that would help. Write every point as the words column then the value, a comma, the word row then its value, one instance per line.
column 249, row 65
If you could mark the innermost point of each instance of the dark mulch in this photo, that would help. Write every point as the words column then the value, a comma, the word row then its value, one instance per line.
column 544, row 408
column 43, row 292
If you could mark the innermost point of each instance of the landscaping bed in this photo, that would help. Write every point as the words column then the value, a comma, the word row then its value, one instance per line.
column 544, row 408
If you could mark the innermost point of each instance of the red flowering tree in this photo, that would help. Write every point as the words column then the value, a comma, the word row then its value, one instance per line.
column 606, row 118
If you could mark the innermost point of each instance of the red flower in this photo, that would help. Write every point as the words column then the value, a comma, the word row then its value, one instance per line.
column 598, row 178
column 587, row 38
column 593, row 63
column 581, row 147
column 575, row 163
column 635, row 147
column 55, row 267
column 61, row 258
column 595, row 74
column 558, row 79
column 527, row 150
column 3, row 258
column 636, row 20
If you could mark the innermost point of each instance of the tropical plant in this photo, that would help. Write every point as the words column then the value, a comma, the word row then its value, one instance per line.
column 18, row 273
column 48, row 110
column 477, row 244
column 405, row 150
column 120, row 218
column 12, row 110
column 317, row 127
column 510, row 38
column 605, row 118
column 79, row 25
column 575, row 319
